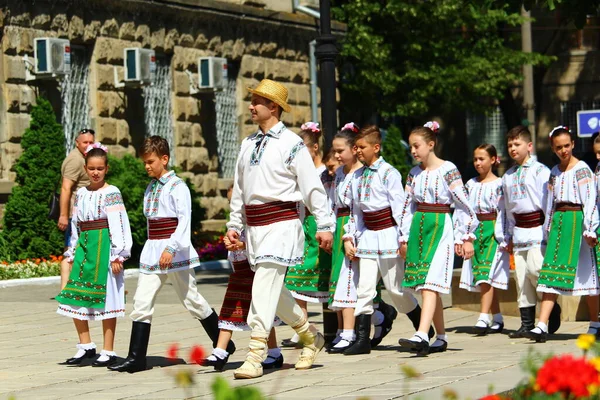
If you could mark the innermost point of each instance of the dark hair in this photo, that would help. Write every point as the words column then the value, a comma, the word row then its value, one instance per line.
column 371, row 134
column 426, row 133
column 488, row 148
column 561, row 130
column 310, row 137
column 519, row 132
column 156, row 144
column 595, row 137
column 328, row 156
column 96, row 152
column 86, row 131
column 348, row 134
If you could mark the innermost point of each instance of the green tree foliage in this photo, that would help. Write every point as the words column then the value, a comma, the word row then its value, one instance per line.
column 407, row 58
column 26, row 226
column 394, row 152
column 575, row 11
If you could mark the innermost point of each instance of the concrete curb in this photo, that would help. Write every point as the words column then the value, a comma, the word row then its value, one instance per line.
column 218, row 265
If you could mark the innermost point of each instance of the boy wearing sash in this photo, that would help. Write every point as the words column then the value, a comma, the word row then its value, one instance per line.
column 168, row 254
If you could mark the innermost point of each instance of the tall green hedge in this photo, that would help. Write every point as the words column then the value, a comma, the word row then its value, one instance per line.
column 27, row 232
column 394, row 152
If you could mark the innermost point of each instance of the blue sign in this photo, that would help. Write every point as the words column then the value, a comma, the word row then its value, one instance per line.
column 588, row 122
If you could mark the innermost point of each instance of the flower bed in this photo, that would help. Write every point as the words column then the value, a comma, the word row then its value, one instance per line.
column 32, row 268
column 210, row 246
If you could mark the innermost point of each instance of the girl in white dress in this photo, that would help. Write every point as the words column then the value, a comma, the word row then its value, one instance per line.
column 100, row 243
column 569, row 267
column 489, row 268
column 428, row 237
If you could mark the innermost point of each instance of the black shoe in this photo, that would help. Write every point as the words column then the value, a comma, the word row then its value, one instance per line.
column 218, row 364
column 111, row 360
column 338, row 350
column 290, row 343
column 362, row 345
column 415, row 318
column 421, row 347
column 439, row 349
column 77, row 360
column 274, row 362
column 496, row 330
column 527, row 322
column 138, row 348
column 539, row 337
column 329, row 346
column 482, row 330
column 554, row 319
column 389, row 315
column 211, row 327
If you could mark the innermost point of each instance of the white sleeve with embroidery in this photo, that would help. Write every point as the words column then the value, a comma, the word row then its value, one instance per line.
column 587, row 193
column 356, row 226
column 408, row 210
column 501, row 223
column 548, row 205
column 237, row 218
column 509, row 218
column 313, row 193
column 395, row 192
column 465, row 220
column 118, row 226
column 181, row 201
column 542, row 181
column 70, row 253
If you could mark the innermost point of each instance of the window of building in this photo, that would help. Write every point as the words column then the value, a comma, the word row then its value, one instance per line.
column 75, row 96
column 227, row 123
column 487, row 128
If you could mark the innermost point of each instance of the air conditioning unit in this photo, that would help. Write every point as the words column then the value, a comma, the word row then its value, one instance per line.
column 140, row 65
column 52, row 56
column 212, row 73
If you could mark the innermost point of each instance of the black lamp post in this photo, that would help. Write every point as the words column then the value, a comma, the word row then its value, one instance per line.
column 326, row 52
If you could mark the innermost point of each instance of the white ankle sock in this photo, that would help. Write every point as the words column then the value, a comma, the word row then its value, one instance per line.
column 348, row 335
column 105, row 355
column 220, row 353
column 377, row 318
column 497, row 318
column 342, row 343
column 541, row 327
column 81, row 348
column 377, row 332
column 274, row 353
column 418, row 336
column 594, row 327
column 438, row 340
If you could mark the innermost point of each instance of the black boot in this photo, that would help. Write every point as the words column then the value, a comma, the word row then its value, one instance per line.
column 362, row 345
column 138, row 347
column 389, row 315
column 211, row 326
column 527, row 322
column 415, row 318
column 554, row 320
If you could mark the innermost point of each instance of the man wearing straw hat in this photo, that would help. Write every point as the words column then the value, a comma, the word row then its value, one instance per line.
column 274, row 173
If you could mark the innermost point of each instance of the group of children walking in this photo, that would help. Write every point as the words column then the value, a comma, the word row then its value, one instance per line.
column 306, row 229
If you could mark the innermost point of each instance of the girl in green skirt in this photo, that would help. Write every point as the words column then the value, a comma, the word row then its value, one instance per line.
column 100, row 243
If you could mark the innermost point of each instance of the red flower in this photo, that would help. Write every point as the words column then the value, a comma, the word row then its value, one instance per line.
column 568, row 375
column 492, row 397
column 197, row 355
column 172, row 352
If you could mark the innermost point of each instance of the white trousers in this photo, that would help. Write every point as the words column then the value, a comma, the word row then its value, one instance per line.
column 528, row 264
column 391, row 271
column 184, row 283
column 270, row 297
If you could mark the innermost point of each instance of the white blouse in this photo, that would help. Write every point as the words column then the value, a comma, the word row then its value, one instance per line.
column 443, row 185
column 106, row 203
column 488, row 198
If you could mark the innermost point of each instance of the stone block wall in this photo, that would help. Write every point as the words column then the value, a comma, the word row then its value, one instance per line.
column 262, row 43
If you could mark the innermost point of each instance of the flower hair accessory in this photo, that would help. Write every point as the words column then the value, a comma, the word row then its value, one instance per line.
column 311, row 126
column 96, row 145
column 351, row 126
column 560, row 127
column 498, row 161
column 433, row 125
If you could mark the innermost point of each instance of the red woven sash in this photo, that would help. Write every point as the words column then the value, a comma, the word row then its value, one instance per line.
column 241, row 266
column 529, row 220
column 433, row 208
column 379, row 220
column 487, row 216
column 568, row 207
column 342, row 212
column 93, row 225
column 270, row 213
column 161, row 228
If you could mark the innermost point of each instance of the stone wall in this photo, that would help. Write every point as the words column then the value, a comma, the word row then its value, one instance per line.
column 264, row 43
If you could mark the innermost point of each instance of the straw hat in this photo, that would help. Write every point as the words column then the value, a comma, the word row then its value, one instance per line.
column 273, row 91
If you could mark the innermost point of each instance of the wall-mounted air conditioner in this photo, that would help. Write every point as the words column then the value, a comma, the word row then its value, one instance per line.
column 212, row 73
column 52, row 59
column 139, row 67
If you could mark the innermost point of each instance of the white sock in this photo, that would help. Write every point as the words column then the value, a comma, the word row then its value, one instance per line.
column 594, row 327
column 337, row 337
column 274, row 353
column 81, row 348
column 498, row 318
column 419, row 335
column 220, row 353
column 105, row 355
column 438, row 340
column 541, row 327
column 483, row 321
column 295, row 338
column 377, row 332
column 342, row 343
column 348, row 335
column 377, row 318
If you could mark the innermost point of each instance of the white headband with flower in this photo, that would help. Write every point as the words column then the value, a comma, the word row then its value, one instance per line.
column 96, row 145
column 311, row 126
column 433, row 125
column 560, row 127
column 351, row 126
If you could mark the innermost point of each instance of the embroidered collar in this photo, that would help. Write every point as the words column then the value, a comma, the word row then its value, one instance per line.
column 274, row 132
column 377, row 164
column 527, row 163
column 166, row 178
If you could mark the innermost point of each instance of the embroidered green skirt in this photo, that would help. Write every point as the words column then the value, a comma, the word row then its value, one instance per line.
column 485, row 251
column 309, row 281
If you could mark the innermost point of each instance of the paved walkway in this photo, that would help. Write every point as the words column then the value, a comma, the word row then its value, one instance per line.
column 33, row 338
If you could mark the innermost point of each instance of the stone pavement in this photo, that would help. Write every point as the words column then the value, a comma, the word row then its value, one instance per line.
column 33, row 338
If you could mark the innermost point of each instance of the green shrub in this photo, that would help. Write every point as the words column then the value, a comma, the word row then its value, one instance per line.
column 395, row 153
column 26, row 226
column 129, row 175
